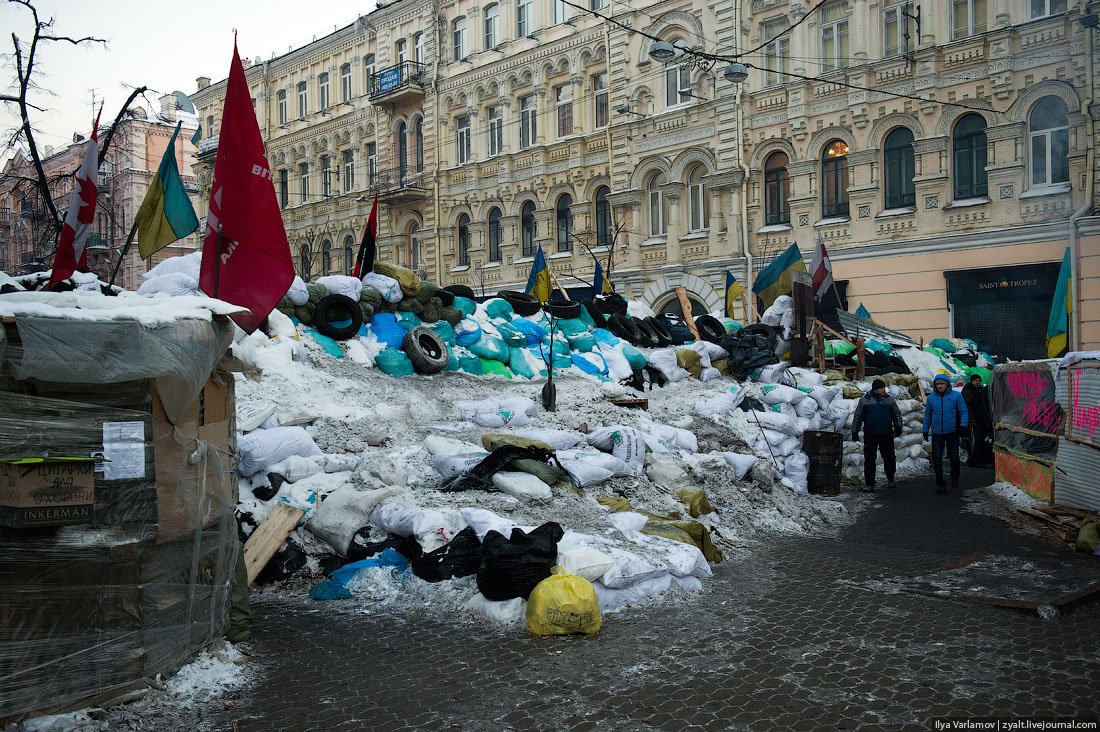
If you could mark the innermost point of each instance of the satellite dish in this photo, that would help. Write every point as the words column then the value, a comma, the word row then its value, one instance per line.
column 183, row 102
column 258, row 61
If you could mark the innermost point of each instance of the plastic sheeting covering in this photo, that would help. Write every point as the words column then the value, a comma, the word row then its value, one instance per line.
column 140, row 579
column 1022, row 396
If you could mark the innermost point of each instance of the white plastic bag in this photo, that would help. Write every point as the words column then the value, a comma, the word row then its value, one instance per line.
column 797, row 469
column 665, row 361
column 344, row 512
column 188, row 264
column 450, row 465
column 629, row 568
column 298, row 292
column 557, row 439
column 261, row 448
column 388, row 286
column 482, row 521
column 627, row 521
column 742, row 464
column 439, row 445
column 672, row 438
column 724, row 403
column 342, row 285
column 409, row 521
column 523, row 486
column 584, row 561
column 618, row 367
column 506, row 612
column 251, row 415
column 177, row 284
column 684, row 560
column 614, row 598
column 591, row 468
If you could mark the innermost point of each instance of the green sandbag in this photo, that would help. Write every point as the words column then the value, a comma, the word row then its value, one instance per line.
column 431, row 311
column 444, row 330
column 465, row 304
column 367, row 310
column 548, row 474
column 1088, row 537
column 936, row 351
column 410, row 305
column 696, row 501
column 394, row 362
column 517, row 361
column 510, row 335
column 879, row 347
column 304, row 314
column 583, row 342
column 731, row 325
column 634, row 357
column 450, row 315
column 660, row 528
column 700, row 535
column 490, row 347
column 407, row 320
column 316, row 293
column 286, row 307
column 586, row 318
column 453, row 364
column 560, row 348
column 572, row 326
column 562, row 362
column 943, row 344
column 470, row 364
column 372, row 296
column 984, row 373
column 499, row 308
column 617, row 504
column 427, row 291
column 491, row 366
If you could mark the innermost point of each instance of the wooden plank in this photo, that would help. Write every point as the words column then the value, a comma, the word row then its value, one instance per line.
column 685, row 306
column 1086, row 594
column 630, row 403
column 838, row 335
column 861, row 360
column 269, row 536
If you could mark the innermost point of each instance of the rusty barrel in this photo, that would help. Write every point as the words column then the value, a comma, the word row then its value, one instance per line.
column 826, row 451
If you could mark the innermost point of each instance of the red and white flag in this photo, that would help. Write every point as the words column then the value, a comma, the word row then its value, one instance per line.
column 71, row 254
column 821, row 268
column 252, row 266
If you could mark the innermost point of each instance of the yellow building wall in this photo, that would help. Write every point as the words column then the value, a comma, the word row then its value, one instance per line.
column 1089, row 296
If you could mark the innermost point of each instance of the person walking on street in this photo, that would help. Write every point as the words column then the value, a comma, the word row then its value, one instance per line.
column 878, row 415
column 946, row 418
column 981, row 423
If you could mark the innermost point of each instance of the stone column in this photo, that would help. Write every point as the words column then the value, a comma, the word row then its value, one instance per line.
column 859, row 40
column 547, row 120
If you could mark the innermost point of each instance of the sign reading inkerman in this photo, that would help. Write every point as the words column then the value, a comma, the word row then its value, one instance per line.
column 46, row 492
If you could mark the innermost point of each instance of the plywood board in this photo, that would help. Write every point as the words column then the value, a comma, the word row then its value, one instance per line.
column 269, row 536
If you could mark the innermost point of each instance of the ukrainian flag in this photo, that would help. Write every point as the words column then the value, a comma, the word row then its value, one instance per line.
column 197, row 136
column 538, row 284
column 600, row 284
column 733, row 293
column 166, row 214
column 775, row 279
column 862, row 312
column 1058, row 324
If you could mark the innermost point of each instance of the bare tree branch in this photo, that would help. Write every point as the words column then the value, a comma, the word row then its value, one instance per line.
column 114, row 125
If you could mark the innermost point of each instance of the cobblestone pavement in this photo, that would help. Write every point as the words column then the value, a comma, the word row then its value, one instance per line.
column 793, row 635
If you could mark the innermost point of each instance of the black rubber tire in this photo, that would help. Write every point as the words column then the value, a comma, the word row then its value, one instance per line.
column 898, row 366
column 624, row 328
column 649, row 337
column 564, row 309
column 664, row 338
column 325, row 312
column 426, row 350
column 610, row 303
column 521, row 302
column 461, row 291
column 879, row 360
column 595, row 313
column 446, row 297
column 847, row 359
column 710, row 328
column 765, row 330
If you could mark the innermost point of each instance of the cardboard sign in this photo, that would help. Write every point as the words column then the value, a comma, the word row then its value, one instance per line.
column 46, row 492
column 1033, row 477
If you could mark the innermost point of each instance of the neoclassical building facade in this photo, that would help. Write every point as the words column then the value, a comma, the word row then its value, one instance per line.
column 946, row 155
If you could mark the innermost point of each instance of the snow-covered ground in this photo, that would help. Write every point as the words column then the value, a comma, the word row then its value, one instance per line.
column 999, row 500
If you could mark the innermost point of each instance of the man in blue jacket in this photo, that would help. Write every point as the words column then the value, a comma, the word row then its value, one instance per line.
column 878, row 415
column 945, row 417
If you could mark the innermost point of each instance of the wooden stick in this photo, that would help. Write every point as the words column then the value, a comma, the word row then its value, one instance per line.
column 556, row 282
column 838, row 335
column 861, row 360
column 1024, row 431
column 685, row 307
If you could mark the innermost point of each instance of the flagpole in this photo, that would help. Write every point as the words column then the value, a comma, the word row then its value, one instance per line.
column 218, row 263
column 125, row 248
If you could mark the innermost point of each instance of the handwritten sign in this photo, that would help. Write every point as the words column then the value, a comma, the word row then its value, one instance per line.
column 1026, row 409
column 1035, row 390
column 1033, row 477
column 1083, row 420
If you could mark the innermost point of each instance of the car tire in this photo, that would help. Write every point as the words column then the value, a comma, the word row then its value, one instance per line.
column 764, row 330
column 664, row 337
column 426, row 350
column 624, row 328
column 710, row 328
column 562, row 309
column 446, row 297
column 595, row 313
column 649, row 337
column 337, row 308
column 461, row 291
column 610, row 303
column 522, row 303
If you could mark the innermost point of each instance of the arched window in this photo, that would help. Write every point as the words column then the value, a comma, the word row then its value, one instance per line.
column 564, row 218
column 402, row 151
column 463, row 240
column 1049, row 129
column 834, row 179
column 412, row 246
column 898, row 164
column 491, row 12
column 527, row 228
column 969, row 156
column 349, row 255
column 420, row 145
column 495, row 235
column 305, row 262
column 698, row 200
column 677, row 80
column 777, row 190
column 656, row 204
column 326, row 258
column 322, row 96
column 603, row 217
column 345, row 83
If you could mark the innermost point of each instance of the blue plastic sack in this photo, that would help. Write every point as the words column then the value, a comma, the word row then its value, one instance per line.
column 393, row 362
column 634, row 357
column 408, row 321
column 490, row 347
column 465, row 304
column 586, row 318
column 327, row 344
column 590, row 363
column 467, row 331
column 572, row 326
column 453, row 363
column 499, row 308
column 533, row 332
column 444, row 330
column 335, row 587
column 387, row 330
column 583, row 342
column 517, row 361
column 510, row 335
column 606, row 337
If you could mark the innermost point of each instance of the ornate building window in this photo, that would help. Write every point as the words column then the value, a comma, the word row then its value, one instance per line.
column 322, row 95
column 326, row 258
column 491, row 36
column 280, row 98
column 777, row 52
column 345, row 83
column 656, row 205
column 698, row 198
column 1049, row 134
column 968, row 18
column 564, row 219
column 495, row 235
column 462, row 139
column 458, row 36
column 834, row 36
column 777, row 190
column 528, row 121
column 603, row 217
column 968, row 152
column 419, row 134
column 527, row 228
column 834, row 179
column 898, row 166
column 463, row 240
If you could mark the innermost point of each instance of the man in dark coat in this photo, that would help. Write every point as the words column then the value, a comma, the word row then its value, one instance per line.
column 981, row 423
column 878, row 415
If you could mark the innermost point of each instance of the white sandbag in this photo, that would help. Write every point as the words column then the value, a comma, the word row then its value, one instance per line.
column 298, row 293
column 850, row 447
column 408, row 521
column 344, row 512
column 557, row 439
column 664, row 360
column 342, row 285
column 584, row 561
column 852, row 471
column 806, row 408
column 188, row 264
column 296, row 417
column 295, row 467
column 450, row 465
column 742, row 464
column 916, row 451
column 261, row 448
column 806, row 377
column 913, row 438
column 684, row 560
column 724, row 403
column 503, row 418
column 638, row 309
column 783, row 448
column 712, row 351
column 773, row 373
column 177, row 284
column 523, row 486
column 341, row 463
column 591, row 468
column 709, row 373
column 482, row 521
column 614, row 598
column 388, row 286
column 627, row 521
column 625, row 443
column 618, row 367
column 439, row 445
column 824, row 395
column 797, row 469
column 782, row 394
column 629, row 568
column 666, row 473
column 470, row 407
column 854, row 458
column 689, row 583
column 506, row 612
column 776, row 422
column 251, row 415
column 773, row 316
column 672, row 437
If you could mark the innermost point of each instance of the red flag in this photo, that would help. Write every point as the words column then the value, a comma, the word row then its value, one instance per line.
column 253, row 267
column 71, row 254
column 821, row 268
column 364, row 260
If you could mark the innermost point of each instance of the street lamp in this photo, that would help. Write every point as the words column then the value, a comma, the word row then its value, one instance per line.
column 662, row 51
column 736, row 73
column 625, row 109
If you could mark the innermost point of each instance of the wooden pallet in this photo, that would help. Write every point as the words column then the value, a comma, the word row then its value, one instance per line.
column 1063, row 521
column 269, row 536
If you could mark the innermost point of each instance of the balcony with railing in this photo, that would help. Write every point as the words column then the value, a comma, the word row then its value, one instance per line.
column 207, row 146
column 400, row 83
column 399, row 185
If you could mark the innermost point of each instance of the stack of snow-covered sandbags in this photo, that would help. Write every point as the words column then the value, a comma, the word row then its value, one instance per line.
column 908, row 449
column 176, row 276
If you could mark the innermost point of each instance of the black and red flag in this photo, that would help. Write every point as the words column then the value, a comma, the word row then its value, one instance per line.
column 364, row 260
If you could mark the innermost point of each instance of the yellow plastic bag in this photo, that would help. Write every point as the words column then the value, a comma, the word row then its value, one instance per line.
column 563, row 604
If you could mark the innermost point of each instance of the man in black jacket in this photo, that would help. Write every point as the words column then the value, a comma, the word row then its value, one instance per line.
column 980, row 454
column 878, row 415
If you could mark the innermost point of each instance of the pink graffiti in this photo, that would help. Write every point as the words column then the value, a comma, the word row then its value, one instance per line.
column 1026, row 385
column 1086, row 418
column 1041, row 412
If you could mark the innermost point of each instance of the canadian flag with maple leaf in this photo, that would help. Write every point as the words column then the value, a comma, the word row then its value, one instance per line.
column 71, row 252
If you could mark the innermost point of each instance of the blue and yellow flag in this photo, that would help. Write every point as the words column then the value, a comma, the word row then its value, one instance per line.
column 197, row 136
column 775, row 279
column 600, row 284
column 862, row 312
column 538, row 284
column 1058, row 323
column 733, row 293
column 166, row 215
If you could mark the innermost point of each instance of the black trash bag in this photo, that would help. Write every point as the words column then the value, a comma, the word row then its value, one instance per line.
column 751, row 404
column 283, row 564
column 748, row 352
column 358, row 551
column 677, row 329
column 511, row 567
column 968, row 358
column 480, row 477
column 460, row 557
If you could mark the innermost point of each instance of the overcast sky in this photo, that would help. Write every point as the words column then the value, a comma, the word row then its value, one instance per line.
column 163, row 46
